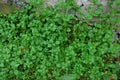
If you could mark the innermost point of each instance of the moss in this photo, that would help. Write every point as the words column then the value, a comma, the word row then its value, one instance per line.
column 6, row 9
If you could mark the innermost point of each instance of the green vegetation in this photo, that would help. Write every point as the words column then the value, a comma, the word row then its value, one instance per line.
column 53, row 44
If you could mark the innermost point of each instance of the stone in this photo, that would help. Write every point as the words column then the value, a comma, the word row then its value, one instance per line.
column 83, row 4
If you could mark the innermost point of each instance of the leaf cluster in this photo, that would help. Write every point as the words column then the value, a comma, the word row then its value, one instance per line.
column 53, row 46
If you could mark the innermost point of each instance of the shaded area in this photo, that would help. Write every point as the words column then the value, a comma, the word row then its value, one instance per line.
column 6, row 9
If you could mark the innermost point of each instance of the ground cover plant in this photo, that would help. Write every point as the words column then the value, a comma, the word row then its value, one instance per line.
column 54, row 44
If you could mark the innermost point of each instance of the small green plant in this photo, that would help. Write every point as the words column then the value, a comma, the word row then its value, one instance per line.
column 55, row 45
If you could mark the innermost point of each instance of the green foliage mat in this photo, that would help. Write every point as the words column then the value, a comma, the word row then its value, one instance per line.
column 53, row 46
